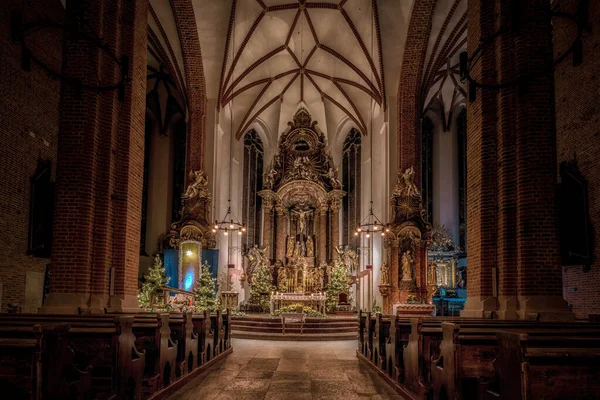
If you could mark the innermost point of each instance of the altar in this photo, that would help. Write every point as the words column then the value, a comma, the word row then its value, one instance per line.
column 315, row 301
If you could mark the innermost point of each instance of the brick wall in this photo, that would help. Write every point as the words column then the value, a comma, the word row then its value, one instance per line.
column 578, row 132
column 29, row 102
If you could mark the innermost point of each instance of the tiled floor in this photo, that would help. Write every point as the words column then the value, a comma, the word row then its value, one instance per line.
column 290, row 371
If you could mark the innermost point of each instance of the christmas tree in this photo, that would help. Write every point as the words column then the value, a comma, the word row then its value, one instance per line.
column 149, row 296
column 262, row 285
column 338, row 283
column 204, row 290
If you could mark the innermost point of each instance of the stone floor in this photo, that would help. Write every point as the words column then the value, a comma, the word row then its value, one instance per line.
column 288, row 370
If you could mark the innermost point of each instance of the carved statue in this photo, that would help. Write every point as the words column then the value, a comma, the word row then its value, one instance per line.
column 269, row 178
column 197, row 187
column 303, row 169
column 297, row 249
column 302, row 220
column 385, row 274
column 290, row 247
column 406, row 266
column 310, row 247
column 348, row 258
column 332, row 174
column 405, row 185
column 256, row 256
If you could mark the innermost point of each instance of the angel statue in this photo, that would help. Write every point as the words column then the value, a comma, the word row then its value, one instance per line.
column 348, row 258
column 333, row 179
column 256, row 256
column 197, row 187
column 406, row 186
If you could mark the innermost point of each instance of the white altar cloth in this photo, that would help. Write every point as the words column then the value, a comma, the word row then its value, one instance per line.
column 314, row 300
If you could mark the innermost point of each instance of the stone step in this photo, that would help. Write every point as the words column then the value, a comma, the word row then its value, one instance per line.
column 294, row 327
column 293, row 336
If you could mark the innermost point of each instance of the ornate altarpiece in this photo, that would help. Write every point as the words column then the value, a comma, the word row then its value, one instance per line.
column 301, row 203
column 406, row 246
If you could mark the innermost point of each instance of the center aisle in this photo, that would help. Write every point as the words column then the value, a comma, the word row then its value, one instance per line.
column 288, row 370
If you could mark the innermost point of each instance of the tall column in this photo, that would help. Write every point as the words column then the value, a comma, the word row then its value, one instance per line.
column 267, row 207
column 281, row 233
column 539, row 271
column 335, row 206
column 99, row 162
column 321, row 243
column 481, row 166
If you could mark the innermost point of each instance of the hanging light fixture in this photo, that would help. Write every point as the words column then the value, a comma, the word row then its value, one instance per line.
column 230, row 223
column 371, row 224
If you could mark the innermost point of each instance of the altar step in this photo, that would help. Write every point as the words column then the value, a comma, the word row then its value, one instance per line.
column 270, row 328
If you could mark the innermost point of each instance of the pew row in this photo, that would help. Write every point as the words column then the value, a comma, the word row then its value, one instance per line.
column 408, row 352
column 135, row 356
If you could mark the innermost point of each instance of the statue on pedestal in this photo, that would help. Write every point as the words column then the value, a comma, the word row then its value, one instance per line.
column 310, row 247
column 407, row 266
column 290, row 247
column 385, row 275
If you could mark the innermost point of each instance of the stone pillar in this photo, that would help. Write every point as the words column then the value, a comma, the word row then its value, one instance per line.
column 320, row 242
column 481, row 167
column 393, row 255
column 281, row 233
column 267, row 232
column 335, row 206
column 99, row 162
column 539, row 270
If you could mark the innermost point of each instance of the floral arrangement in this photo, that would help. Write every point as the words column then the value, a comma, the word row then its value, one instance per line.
column 309, row 311
column 412, row 299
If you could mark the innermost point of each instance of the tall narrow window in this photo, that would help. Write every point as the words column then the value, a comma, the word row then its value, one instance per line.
column 427, row 166
column 461, row 129
column 351, row 182
column 179, row 172
column 253, row 181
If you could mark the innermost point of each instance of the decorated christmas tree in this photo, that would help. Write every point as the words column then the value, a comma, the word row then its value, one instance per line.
column 262, row 285
column 338, row 283
column 150, row 295
column 204, row 290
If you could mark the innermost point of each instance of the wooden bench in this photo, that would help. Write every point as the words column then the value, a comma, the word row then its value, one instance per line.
column 533, row 366
column 182, row 331
column 218, row 333
column 104, row 342
column 36, row 363
column 203, row 328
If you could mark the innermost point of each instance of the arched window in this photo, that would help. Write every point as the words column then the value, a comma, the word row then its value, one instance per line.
column 461, row 133
column 253, row 182
column 427, row 166
column 179, row 172
column 351, row 182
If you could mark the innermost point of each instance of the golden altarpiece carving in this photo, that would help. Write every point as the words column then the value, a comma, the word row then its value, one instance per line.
column 404, row 273
column 301, row 203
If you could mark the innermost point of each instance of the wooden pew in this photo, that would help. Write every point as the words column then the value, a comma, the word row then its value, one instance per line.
column 182, row 331
column 153, row 335
column 36, row 363
column 468, row 352
column 202, row 327
column 368, row 331
column 105, row 342
column 530, row 366
column 227, row 329
column 218, row 333
column 381, row 333
column 362, row 321
column 395, row 343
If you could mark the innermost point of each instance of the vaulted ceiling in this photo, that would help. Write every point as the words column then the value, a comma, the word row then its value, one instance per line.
column 341, row 59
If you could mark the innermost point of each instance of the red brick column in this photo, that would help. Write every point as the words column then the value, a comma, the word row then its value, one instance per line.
column 507, row 188
column 99, row 164
column 481, row 167
column 409, row 88
column 185, row 20
column 539, row 281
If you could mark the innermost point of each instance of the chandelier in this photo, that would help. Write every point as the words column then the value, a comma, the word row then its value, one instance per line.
column 229, row 223
column 371, row 225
